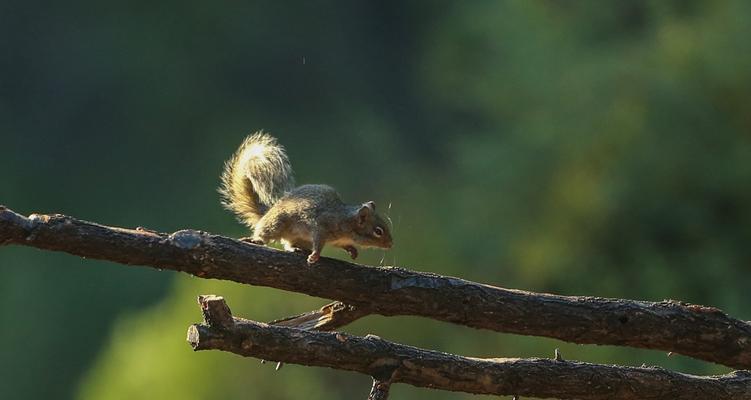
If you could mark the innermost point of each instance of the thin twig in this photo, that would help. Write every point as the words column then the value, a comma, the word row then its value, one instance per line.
column 380, row 390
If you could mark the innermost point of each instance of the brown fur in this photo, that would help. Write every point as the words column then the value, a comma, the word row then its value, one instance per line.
column 256, row 186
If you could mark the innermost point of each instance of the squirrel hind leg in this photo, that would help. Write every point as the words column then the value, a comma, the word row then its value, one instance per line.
column 252, row 240
column 265, row 232
column 297, row 247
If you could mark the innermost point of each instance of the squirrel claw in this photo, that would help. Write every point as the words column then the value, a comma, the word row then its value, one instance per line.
column 251, row 240
column 313, row 258
column 299, row 250
column 351, row 250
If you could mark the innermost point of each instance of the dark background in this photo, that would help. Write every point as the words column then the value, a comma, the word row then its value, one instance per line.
column 575, row 147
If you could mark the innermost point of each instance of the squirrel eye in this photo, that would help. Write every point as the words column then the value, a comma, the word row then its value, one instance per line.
column 378, row 231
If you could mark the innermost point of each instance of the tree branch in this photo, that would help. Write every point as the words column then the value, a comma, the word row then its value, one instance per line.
column 390, row 362
column 701, row 332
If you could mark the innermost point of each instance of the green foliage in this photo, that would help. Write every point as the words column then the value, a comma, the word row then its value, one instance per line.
column 588, row 147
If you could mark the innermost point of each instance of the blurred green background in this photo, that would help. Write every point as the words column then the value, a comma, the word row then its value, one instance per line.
column 575, row 147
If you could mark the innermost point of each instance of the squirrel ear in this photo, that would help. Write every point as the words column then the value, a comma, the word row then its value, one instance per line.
column 365, row 210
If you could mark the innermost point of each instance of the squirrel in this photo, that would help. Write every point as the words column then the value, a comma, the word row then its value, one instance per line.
column 257, row 185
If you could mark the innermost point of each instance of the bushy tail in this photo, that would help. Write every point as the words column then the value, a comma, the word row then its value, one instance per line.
column 256, row 177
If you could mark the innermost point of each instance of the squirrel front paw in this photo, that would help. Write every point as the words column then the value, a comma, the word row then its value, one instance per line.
column 314, row 257
column 351, row 250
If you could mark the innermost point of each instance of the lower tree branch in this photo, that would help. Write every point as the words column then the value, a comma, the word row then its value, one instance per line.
column 544, row 378
column 697, row 331
column 329, row 317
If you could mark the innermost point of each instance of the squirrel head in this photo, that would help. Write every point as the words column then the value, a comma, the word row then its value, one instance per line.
column 371, row 229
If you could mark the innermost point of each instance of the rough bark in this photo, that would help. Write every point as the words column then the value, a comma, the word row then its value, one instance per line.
column 697, row 331
column 396, row 363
